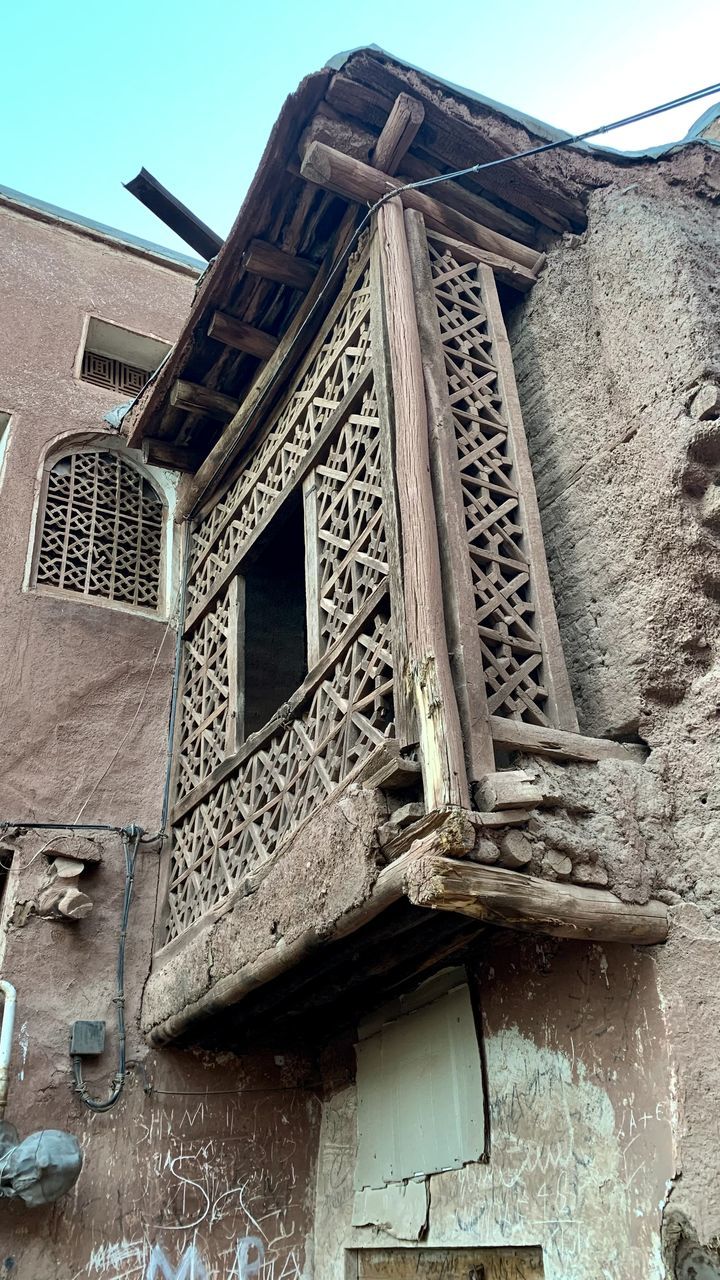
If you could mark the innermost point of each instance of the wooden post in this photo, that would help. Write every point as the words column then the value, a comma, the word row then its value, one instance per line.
column 235, row 730
column 463, row 639
column 398, row 133
column 312, row 569
column 428, row 671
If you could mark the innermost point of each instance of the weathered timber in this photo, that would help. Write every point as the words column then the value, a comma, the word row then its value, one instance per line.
column 162, row 453
column 194, row 398
column 511, row 789
column 520, row 901
column 457, row 582
column 263, row 259
column 516, row 736
column 452, row 829
column 356, row 181
column 429, row 675
column 176, row 215
column 368, row 85
column 398, row 133
column 242, row 337
column 388, row 770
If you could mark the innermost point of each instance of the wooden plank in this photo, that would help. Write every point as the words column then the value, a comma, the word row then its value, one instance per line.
column 519, row 901
column 312, row 569
column 235, row 731
column 405, row 725
column 162, row 453
column 266, row 260
column 194, row 398
column 458, row 596
column 428, row 670
column 556, row 671
column 513, row 735
column 242, row 337
column 398, row 133
column 356, row 181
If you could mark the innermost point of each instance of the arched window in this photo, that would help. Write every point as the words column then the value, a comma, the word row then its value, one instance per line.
column 100, row 530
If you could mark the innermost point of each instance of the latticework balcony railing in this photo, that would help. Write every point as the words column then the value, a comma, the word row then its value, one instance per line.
column 429, row 615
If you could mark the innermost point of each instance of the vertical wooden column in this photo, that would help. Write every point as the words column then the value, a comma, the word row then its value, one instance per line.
column 312, row 569
column 463, row 638
column 427, row 668
column 235, row 731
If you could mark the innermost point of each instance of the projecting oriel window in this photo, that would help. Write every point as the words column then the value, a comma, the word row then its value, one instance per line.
column 119, row 359
column 100, row 530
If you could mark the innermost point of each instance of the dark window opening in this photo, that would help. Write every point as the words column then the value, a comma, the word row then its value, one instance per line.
column 275, row 618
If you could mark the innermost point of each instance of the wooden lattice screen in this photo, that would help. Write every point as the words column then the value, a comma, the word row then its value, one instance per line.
column 429, row 614
column 101, row 530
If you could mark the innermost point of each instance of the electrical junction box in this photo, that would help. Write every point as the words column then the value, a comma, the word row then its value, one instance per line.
column 87, row 1039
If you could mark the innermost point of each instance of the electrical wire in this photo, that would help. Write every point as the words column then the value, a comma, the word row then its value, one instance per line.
column 131, row 839
column 555, row 145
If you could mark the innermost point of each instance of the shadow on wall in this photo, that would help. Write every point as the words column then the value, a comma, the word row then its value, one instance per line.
column 685, row 1257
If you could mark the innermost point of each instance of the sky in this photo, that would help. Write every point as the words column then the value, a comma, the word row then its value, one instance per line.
column 191, row 88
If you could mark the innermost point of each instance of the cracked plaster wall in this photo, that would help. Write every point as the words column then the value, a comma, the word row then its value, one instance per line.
column 617, row 352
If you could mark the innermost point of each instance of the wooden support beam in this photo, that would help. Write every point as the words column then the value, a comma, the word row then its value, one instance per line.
column 428, row 665
column 243, row 337
column 194, row 398
column 560, row 744
column 163, row 453
column 263, row 259
column 356, row 181
column 519, row 901
column 509, row 789
column 398, row 133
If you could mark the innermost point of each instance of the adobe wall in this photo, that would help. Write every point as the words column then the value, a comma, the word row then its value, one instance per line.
column 617, row 352
column 188, row 1179
column 580, row 1116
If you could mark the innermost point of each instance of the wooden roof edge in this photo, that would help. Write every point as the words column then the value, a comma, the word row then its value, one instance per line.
column 249, row 224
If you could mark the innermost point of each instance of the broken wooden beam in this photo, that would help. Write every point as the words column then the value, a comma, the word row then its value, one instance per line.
column 266, row 260
column 508, row 789
column 194, row 398
column 363, row 184
column 163, row 453
column 398, row 133
column 560, row 744
column 242, row 337
column 519, row 901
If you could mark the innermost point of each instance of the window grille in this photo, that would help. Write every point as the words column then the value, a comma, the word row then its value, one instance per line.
column 101, row 531
column 117, row 375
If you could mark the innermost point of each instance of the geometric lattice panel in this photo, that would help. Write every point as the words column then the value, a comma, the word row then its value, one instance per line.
column 203, row 721
column 352, row 556
column 116, row 375
column 219, row 538
column 101, row 532
column 508, row 626
column 242, row 822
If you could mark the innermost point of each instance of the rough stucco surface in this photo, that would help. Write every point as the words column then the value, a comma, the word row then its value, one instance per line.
column 617, row 353
column 200, row 1178
column 581, row 1123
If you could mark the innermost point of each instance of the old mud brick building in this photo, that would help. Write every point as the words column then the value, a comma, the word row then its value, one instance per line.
column 413, row 540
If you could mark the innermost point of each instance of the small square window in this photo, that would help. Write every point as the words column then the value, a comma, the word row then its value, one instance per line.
column 119, row 359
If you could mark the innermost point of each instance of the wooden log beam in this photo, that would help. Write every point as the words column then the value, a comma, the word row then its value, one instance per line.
column 242, row 337
column 266, row 260
column 519, row 901
column 194, row 398
column 163, row 453
column 359, row 182
column 398, row 133
column 560, row 744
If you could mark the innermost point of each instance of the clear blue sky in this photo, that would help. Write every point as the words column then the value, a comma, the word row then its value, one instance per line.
column 191, row 88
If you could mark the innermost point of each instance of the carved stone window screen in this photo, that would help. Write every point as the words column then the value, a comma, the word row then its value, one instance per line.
column 100, row 530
